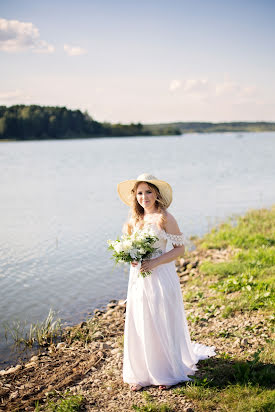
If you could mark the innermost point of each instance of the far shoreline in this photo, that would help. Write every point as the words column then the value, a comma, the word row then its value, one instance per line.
column 135, row 136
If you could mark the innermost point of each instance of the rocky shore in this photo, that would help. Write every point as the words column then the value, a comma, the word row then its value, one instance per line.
column 88, row 360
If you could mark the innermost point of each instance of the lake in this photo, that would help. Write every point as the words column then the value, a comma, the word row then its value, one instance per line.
column 59, row 205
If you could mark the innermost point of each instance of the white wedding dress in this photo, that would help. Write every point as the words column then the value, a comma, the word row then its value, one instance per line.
column 157, row 345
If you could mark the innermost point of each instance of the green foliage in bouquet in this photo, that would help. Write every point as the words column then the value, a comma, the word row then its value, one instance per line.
column 135, row 247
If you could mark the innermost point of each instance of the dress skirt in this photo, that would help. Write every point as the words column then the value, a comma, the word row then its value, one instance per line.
column 157, row 345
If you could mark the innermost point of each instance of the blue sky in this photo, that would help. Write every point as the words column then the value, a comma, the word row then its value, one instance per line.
column 147, row 61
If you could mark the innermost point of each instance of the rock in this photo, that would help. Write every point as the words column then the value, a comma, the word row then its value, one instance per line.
column 109, row 312
column 114, row 351
column 182, row 262
column 4, row 391
column 97, row 334
column 112, row 304
column 98, row 312
column 61, row 345
column 30, row 365
column 103, row 345
column 236, row 343
column 13, row 395
column 10, row 370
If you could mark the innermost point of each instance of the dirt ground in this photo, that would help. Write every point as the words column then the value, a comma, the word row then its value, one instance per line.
column 88, row 360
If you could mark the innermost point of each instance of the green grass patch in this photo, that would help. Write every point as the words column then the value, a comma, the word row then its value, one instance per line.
column 255, row 229
column 248, row 278
column 220, row 289
column 61, row 402
column 222, row 269
column 228, row 384
column 233, row 398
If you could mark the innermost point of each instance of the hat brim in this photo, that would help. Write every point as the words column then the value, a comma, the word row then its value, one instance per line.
column 124, row 190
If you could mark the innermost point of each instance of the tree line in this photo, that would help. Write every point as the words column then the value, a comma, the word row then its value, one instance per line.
column 27, row 122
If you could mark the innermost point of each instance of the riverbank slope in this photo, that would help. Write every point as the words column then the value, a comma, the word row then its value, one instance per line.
column 229, row 300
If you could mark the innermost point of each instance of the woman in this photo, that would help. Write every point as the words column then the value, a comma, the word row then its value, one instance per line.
column 157, row 345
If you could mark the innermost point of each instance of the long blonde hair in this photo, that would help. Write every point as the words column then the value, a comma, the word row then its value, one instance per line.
column 136, row 217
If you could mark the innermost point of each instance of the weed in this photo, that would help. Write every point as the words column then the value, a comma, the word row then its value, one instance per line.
column 61, row 402
column 253, row 371
column 42, row 333
column 86, row 332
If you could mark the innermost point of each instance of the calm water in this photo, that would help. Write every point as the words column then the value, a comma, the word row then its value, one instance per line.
column 59, row 205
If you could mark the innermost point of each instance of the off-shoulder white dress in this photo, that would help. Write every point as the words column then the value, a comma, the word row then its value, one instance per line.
column 157, row 345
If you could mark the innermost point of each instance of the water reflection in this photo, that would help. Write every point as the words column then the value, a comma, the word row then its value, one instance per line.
column 59, row 205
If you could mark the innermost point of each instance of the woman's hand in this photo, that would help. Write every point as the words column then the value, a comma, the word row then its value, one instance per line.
column 148, row 265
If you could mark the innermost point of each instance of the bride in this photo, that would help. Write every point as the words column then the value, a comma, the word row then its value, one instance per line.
column 157, row 346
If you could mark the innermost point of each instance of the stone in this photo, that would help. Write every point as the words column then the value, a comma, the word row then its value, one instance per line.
column 181, row 261
column 114, row 351
column 10, row 370
column 61, row 345
column 13, row 395
column 30, row 365
column 103, row 345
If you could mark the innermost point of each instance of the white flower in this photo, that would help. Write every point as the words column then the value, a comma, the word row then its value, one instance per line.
column 127, row 244
column 133, row 253
column 118, row 247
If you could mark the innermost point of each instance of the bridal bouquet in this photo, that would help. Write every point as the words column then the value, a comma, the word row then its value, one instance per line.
column 135, row 247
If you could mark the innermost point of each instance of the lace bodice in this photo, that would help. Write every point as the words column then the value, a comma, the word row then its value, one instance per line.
column 163, row 236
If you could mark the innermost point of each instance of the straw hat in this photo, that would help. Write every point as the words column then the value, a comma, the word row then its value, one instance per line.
column 124, row 188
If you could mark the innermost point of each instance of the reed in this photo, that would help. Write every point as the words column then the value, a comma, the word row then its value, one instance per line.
column 40, row 333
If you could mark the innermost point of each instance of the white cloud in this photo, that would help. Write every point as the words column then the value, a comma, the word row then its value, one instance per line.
column 16, row 35
column 74, row 51
column 174, row 85
column 227, row 87
column 237, row 93
column 205, row 91
column 195, row 85
column 194, row 88
column 13, row 96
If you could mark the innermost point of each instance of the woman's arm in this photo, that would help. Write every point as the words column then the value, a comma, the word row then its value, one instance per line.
column 171, row 227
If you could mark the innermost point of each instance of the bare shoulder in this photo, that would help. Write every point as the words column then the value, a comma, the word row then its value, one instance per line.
column 171, row 225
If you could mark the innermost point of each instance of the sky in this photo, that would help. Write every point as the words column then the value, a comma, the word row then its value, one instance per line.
column 148, row 61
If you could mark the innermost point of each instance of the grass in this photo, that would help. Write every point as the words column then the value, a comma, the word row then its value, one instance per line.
column 248, row 279
column 41, row 333
column 86, row 332
column 228, row 384
column 61, row 402
column 233, row 398
column 255, row 229
column 225, row 289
